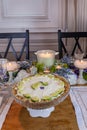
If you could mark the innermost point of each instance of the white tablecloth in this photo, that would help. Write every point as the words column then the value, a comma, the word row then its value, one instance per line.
column 79, row 99
column 4, row 107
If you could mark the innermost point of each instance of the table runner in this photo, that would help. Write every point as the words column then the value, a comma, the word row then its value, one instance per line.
column 79, row 99
column 62, row 118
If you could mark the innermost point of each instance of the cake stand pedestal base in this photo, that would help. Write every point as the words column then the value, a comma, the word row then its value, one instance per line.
column 40, row 112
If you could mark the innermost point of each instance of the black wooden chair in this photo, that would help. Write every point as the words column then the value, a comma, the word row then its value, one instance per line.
column 10, row 37
column 67, row 35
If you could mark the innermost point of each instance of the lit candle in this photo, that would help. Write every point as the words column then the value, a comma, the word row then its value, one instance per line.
column 58, row 67
column 82, row 64
column 12, row 66
column 46, row 57
column 46, row 71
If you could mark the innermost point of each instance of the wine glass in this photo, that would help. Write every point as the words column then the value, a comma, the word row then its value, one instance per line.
column 79, row 55
column 3, row 73
column 79, row 63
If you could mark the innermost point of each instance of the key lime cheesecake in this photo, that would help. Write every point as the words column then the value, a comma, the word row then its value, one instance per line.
column 40, row 90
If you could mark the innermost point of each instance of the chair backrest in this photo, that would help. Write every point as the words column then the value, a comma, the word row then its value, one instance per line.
column 10, row 46
column 75, row 35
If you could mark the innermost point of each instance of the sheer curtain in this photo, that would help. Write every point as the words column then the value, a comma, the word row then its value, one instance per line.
column 71, row 15
column 82, row 19
column 76, row 17
column 76, row 13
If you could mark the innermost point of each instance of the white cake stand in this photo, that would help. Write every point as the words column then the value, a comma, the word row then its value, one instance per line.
column 40, row 112
column 43, row 109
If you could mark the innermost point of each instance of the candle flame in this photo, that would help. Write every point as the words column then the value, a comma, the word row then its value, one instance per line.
column 81, row 61
column 9, row 64
column 46, row 55
column 12, row 66
column 58, row 67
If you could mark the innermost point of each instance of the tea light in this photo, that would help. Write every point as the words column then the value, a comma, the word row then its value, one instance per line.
column 82, row 64
column 46, row 71
column 58, row 67
column 12, row 66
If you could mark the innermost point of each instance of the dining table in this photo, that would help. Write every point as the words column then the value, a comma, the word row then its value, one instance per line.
column 70, row 114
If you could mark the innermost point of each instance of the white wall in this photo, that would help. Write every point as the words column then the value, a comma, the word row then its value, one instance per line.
column 41, row 17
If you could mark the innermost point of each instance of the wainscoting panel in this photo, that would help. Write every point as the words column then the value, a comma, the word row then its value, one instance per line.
column 32, row 14
column 27, row 9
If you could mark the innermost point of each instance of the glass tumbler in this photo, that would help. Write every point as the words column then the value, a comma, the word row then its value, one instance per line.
column 3, row 69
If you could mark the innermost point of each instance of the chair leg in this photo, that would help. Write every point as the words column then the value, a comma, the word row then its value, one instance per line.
column 0, row 56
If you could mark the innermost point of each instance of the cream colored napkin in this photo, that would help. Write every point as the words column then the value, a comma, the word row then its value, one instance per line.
column 79, row 99
column 4, row 107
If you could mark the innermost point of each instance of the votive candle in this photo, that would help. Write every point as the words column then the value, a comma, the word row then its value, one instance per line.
column 11, row 66
column 82, row 64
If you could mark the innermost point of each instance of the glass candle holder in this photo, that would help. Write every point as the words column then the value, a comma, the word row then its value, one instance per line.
column 3, row 69
column 12, row 67
column 79, row 56
column 46, row 57
column 81, row 64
